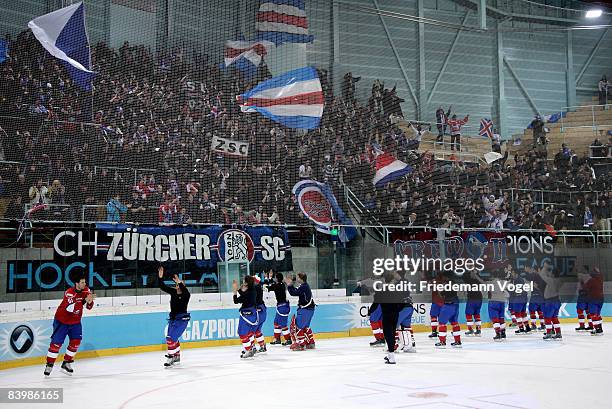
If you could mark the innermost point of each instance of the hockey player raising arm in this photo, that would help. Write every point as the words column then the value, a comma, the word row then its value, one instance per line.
column 67, row 322
column 274, row 283
column 552, row 303
column 246, row 295
column 306, row 307
column 178, row 318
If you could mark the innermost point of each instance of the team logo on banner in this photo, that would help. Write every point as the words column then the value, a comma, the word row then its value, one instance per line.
column 235, row 245
column 314, row 204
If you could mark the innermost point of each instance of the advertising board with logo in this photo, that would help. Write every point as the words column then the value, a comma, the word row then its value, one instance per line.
column 126, row 256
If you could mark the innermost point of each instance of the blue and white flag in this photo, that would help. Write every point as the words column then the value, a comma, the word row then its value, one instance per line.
column 62, row 33
column 318, row 203
column 282, row 21
column 294, row 99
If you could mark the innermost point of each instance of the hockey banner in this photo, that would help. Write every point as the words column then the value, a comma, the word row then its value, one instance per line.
column 229, row 147
column 496, row 249
column 121, row 256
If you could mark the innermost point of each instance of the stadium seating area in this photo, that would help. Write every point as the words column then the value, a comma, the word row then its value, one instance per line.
column 143, row 140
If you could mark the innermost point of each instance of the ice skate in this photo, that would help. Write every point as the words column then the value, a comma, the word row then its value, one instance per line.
column 276, row 341
column 547, row 337
column 457, row 344
column 377, row 343
column 557, row 337
column 67, row 368
column 434, row 334
column 520, row 331
column 297, row 347
column 390, row 358
column 287, row 343
column 477, row 333
column 310, row 346
column 440, row 345
column 497, row 337
column 597, row 332
column 48, row 369
column 470, row 333
column 581, row 329
column 248, row 354
column 171, row 360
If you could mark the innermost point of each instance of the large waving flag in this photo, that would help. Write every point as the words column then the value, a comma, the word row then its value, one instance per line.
column 388, row 168
column 294, row 99
column 318, row 203
column 62, row 33
column 283, row 21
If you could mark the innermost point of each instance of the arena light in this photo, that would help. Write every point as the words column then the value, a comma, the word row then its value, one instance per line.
column 593, row 13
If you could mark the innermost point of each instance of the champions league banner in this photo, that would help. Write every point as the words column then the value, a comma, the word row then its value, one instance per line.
column 121, row 256
column 496, row 249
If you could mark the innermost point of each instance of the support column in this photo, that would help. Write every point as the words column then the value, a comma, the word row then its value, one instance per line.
column 570, row 76
column 501, row 92
column 482, row 14
column 422, row 107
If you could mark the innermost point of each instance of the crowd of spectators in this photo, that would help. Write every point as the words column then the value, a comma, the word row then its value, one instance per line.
column 138, row 148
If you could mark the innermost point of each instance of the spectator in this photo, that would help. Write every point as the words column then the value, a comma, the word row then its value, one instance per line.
column 38, row 193
column 455, row 131
column 537, row 125
column 441, row 119
column 602, row 88
column 114, row 209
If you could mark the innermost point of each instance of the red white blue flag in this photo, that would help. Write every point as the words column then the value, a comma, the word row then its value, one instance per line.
column 282, row 21
column 486, row 128
column 388, row 168
column 294, row 99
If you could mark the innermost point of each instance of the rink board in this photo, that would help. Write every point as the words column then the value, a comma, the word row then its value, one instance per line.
column 26, row 342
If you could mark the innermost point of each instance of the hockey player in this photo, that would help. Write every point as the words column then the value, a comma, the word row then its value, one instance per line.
column 276, row 284
column 67, row 322
column 262, row 314
column 436, row 304
column 390, row 303
column 582, row 302
column 552, row 303
column 247, row 296
column 449, row 313
column 306, row 307
column 537, row 299
column 404, row 327
column 497, row 304
column 178, row 318
column 594, row 289
column 375, row 314
column 518, row 303
column 473, row 306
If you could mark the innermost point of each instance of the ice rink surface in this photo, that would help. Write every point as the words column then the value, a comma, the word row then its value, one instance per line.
column 523, row 372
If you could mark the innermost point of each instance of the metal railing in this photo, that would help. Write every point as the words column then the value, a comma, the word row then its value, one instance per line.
column 355, row 203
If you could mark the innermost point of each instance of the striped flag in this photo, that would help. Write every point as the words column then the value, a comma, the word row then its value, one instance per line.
column 253, row 51
column 388, row 168
column 486, row 128
column 282, row 21
column 294, row 99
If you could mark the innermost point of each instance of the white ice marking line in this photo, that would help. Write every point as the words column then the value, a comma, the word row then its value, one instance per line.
column 500, row 404
column 376, row 391
column 423, row 404
column 408, row 387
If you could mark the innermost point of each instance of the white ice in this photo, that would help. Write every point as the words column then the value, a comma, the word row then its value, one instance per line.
column 523, row 372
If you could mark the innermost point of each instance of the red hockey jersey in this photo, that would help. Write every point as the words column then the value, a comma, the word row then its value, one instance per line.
column 70, row 309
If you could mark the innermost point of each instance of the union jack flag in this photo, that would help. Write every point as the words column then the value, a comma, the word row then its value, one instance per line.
column 486, row 128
